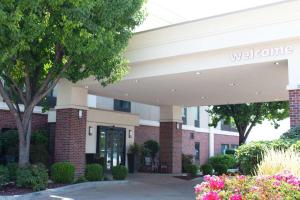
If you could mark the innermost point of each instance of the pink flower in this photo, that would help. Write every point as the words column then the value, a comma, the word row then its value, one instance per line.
column 216, row 183
column 236, row 197
column 276, row 183
column 210, row 196
column 241, row 177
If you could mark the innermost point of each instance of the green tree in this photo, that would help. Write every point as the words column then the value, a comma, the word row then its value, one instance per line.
column 43, row 41
column 246, row 116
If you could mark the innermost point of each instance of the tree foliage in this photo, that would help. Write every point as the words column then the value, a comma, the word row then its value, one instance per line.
column 246, row 116
column 43, row 41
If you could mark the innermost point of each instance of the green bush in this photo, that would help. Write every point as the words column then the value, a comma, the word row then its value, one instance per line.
column 230, row 151
column 81, row 179
column 186, row 161
column 207, row 169
column 9, row 144
column 39, row 154
column 94, row 172
column 62, row 172
column 227, row 160
column 12, row 169
column 153, row 147
column 220, row 169
column 34, row 177
column 119, row 172
column 250, row 154
column 192, row 170
column 4, row 175
column 293, row 133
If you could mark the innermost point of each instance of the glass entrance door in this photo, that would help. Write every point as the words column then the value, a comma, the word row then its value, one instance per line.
column 111, row 145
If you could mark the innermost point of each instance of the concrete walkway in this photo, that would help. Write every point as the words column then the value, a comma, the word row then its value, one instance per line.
column 139, row 186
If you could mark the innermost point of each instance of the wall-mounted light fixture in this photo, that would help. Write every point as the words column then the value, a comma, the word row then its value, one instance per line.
column 91, row 130
column 178, row 125
column 80, row 114
column 130, row 134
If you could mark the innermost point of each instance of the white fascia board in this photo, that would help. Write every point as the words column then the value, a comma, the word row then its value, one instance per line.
column 149, row 123
column 37, row 109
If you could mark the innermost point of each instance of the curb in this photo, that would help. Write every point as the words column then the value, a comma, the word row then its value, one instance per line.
column 67, row 188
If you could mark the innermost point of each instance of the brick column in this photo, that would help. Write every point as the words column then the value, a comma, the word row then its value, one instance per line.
column 170, row 139
column 70, row 137
column 294, row 98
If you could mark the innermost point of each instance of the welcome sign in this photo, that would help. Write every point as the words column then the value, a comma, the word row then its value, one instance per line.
column 261, row 53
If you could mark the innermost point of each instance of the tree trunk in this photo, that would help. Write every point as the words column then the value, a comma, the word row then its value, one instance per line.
column 24, row 142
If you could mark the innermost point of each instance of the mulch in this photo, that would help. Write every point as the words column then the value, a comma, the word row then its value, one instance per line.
column 12, row 189
column 187, row 178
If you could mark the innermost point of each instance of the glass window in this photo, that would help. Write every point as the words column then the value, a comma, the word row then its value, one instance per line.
column 197, row 150
column 224, row 147
column 197, row 117
column 120, row 105
column 184, row 116
column 234, row 146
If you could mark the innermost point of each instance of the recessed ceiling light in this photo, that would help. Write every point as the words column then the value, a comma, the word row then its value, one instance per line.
column 276, row 63
column 257, row 93
column 136, row 81
column 173, row 90
column 232, row 84
column 203, row 98
column 126, row 94
column 86, row 87
column 198, row 73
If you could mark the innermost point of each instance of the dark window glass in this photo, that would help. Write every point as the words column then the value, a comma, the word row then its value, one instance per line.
column 224, row 147
column 184, row 116
column 234, row 146
column 192, row 136
column 197, row 150
column 120, row 105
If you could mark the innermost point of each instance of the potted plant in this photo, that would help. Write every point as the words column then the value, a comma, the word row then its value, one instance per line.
column 132, row 155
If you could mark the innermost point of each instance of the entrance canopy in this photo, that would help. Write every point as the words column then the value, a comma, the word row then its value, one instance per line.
column 248, row 56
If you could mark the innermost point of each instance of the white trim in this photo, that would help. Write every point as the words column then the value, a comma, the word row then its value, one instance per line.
column 207, row 130
column 196, row 129
column 293, row 87
column 37, row 109
column 149, row 123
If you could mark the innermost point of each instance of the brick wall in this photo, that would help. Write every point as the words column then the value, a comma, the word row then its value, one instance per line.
column 188, row 144
column 70, row 138
column 143, row 133
column 294, row 98
column 224, row 139
column 170, row 146
column 8, row 121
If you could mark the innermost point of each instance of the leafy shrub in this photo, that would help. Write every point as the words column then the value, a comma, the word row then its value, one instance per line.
column 249, row 155
column 293, row 133
column 227, row 160
column 278, row 161
column 153, row 147
column 230, row 151
column 4, row 175
column 186, row 160
column 12, row 169
column 94, row 172
column 192, row 170
column 62, row 172
column 220, row 169
column 119, row 172
column 81, row 179
column 9, row 144
column 34, row 177
column 135, row 149
column 280, row 186
column 207, row 169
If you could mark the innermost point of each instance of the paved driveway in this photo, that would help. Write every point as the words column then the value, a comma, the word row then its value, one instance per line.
column 139, row 187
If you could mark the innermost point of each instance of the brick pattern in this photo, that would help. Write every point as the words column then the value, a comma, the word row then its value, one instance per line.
column 143, row 133
column 294, row 98
column 188, row 145
column 8, row 121
column 70, row 136
column 224, row 139
column 170, row 146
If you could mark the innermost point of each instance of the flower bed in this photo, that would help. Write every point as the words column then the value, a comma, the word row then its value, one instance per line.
column 276, row 187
